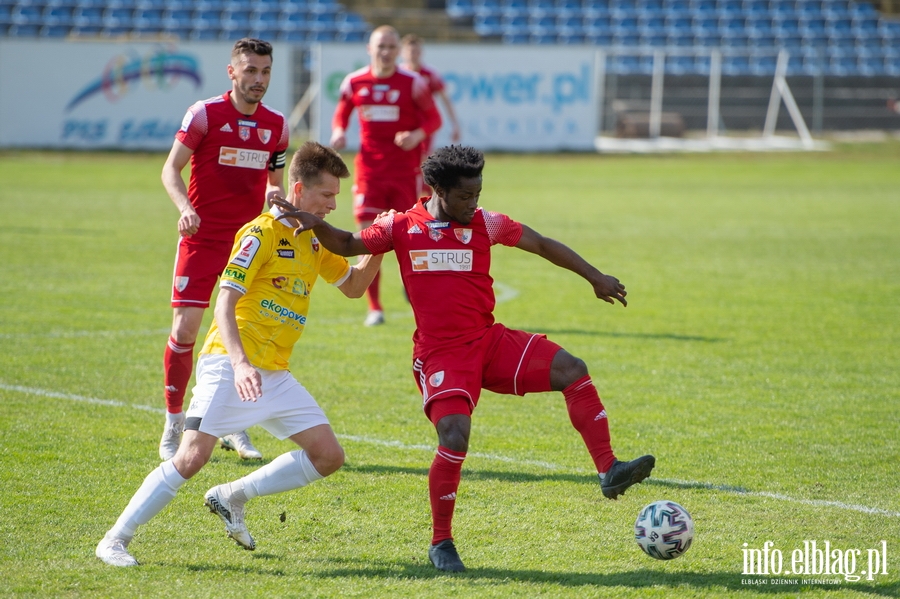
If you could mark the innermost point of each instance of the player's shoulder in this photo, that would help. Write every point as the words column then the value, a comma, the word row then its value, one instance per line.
column 263, row 226
column 269, row 111
column 358, row 75
column 208, row 103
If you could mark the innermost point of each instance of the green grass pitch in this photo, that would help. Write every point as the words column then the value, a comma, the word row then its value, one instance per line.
column 757, row 359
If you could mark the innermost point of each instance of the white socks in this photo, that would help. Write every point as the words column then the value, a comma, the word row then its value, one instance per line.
column 288, row 471
column 154, row 494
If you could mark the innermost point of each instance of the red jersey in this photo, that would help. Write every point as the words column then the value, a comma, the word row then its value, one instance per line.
column 233, row 154
column 401, row 102
column 445, row 267
column 435, row 84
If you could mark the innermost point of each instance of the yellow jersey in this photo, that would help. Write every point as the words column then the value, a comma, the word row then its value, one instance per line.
column 275, row 271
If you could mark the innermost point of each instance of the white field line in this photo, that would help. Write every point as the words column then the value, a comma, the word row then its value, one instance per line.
column 486, row 456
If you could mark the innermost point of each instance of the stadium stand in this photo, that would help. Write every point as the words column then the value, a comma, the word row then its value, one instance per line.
column 833, row 37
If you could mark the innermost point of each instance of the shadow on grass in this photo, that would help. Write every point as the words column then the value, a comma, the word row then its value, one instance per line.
column 664, row 336
column 636, row 579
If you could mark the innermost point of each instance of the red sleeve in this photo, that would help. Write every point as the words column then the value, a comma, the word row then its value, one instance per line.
column 436, row 83
column 378, row 237
column 502, row 229
column 344, row 106
column 431, row 118
column 285, row 136
column 194, row 126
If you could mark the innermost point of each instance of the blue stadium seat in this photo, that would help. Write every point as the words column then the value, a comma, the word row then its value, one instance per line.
column 265, row 34
column 795, row 65
column 488, row 24
column 55, row 31
column 863, row 9
column 206, row 19
column 786, row 25
column 352, row 22
column 730, row 8
column 756, row 8
column 680, row 40
column 598, row 25
column 864, row 26
column 320, row 36
column 838, row 27
column 487, row 7
column 599, row 39
column 206, row 34
column 736, row 65
column 265, row 18
column 295, row 36
column 870, row 66
column 516, row 38
column 654, row 40
column 148, row 19
column 790, row 42
column 460, row 9
column 842, row 66
column 23, row 30
column 118, row 18
column 624, row 24
column 116, row 31
column 626, row 39
column 514, row 8
column 892, row 65
column 294, row 20
column 809, row 9
column 704, row 8
column 324, row 21
column 564, row 7
column 676, row 8
column 783, row 9
column 26, row 15
column 569, row 25
column 679, row 65
column 735, row 41
column 708, row 40
column 543, row 25
column 730, row 26
column 869, row 46
column 650, row 7
column 763, row 64
column 88, row 16
column 177, row 20
column 701, row 64
column 757, row 26
column 763, row 41
column 679, row 24
column 654, row 24
column 514, row 24
column 624, row 65
column 708, row 25
column 543, row 38
column 150, row 4
column 836, row 9
column 596, row 8
column 812, row 25
column 59, row 15
column 354, row 37
column 623, row 7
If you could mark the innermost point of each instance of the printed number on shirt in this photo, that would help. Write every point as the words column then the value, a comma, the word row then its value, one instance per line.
column 244, row 158
column 380, row 114
column 438, row 260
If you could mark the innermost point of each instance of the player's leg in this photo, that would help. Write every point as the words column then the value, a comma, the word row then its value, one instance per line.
column 178, row 363
column 453, row 423
column 299, row 418
column 157, row 490
column 587, row 414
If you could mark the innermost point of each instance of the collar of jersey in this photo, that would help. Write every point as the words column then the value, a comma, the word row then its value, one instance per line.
column 277, row 212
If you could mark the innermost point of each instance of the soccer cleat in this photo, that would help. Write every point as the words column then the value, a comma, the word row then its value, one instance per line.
column 624, row 474
column 171, row 437
column 375, row 318
column 240, row 442
column 113, row 552
column 232, row 515
column 444, row 557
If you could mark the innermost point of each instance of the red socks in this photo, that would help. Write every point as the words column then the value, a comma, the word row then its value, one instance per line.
column 178, row 363
column 443, row 482
column 589, row 418
column 373, row 293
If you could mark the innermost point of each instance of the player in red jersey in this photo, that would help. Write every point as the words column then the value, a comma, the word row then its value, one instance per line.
column 236, row 147
column 443, row 248
column 396, row 114
column 411, row 55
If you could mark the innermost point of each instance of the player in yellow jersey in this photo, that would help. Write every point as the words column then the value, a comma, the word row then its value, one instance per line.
column 242, row 371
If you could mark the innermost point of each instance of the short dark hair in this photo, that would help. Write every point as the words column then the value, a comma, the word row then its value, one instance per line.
column 447, row 165
column 411, row 39
column 251, row 45
column 311, row 160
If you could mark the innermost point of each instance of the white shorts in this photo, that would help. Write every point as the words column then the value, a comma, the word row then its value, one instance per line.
column 285, row 408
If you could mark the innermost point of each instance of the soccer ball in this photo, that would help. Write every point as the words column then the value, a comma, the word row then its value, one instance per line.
column 664, row 530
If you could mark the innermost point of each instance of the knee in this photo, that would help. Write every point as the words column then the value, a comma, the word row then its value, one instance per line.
column 565, row 370
column 453, row 432
column 328, row 460
column 189, row 462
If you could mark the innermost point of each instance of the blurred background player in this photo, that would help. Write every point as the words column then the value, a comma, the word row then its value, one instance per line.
column 443, row 247
column 411, row 55
column 236, row 146
column 396, row 114
column 242, row 372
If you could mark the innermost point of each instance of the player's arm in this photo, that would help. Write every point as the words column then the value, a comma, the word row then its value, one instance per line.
column 340, row 121
column 337, row 241
column 275, row 185
column 246, row 378
column 455, row 133
column 361, row 275
column 179, row 155
column 430, row 118
column 606, row 287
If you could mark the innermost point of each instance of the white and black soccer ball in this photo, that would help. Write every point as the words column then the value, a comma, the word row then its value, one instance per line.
column 664, row 530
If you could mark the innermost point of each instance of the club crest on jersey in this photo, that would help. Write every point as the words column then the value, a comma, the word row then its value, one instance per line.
column 436, row 379
column 435, row 234
column 393, row 95
column 264, row 135
column 244, row 133
column 464, row 235
column 315, row 244
column 181, row 283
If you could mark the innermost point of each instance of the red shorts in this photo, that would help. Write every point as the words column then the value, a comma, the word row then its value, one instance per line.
column 198, row 265
column 376, row 194
column 504, row 361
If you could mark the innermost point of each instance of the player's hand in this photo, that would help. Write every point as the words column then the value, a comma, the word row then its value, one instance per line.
column 409, row 140
column 248, row 382
column 338, row 139
column 271, row 199
column 302, row 220
column 610, row 290
column 188, row 224
column 386, row 213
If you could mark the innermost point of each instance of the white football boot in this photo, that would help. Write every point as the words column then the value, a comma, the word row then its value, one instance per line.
column 218, row 502
column 171, row 437
column 240, row 442
column 113, row 552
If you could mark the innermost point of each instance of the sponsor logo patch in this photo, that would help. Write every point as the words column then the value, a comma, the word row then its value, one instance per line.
column 282, row 312
column 278, row 282
column 284, row 242
column 286, row 254
column 254, row 159
column 233, row 273
column 379, row 114
column 247, row 251
column 246, row 123
column 441, row 260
